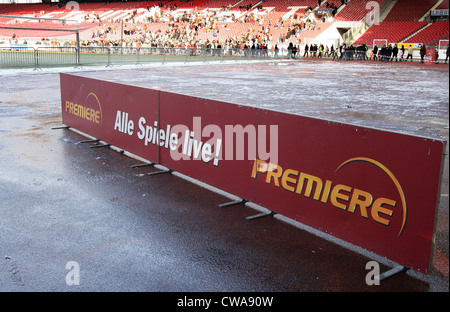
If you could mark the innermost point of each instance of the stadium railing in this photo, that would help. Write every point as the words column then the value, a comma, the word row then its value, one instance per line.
column 17, row 57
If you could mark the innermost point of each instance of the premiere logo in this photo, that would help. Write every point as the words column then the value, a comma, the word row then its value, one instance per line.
column 394, row 180
column 343, row 197
column 91, row 110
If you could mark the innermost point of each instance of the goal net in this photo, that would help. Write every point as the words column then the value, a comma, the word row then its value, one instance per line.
column 21, row 37
column 17, row 30
column 380, row 42
column 442, row 48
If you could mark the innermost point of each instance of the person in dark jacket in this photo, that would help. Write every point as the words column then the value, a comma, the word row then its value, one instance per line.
column 394, row 53
column 306, row 51
column 388, row 53
column 446, row 56
column 423, row 52
column 290, row 48
column 383, row 53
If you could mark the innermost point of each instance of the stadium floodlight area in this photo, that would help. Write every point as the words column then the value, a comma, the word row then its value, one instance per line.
column 380, row 42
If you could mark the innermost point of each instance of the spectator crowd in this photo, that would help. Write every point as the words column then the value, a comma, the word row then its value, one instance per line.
column 162, row 28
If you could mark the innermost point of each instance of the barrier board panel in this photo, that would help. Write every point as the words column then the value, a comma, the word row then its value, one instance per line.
column 431, row 56
column 215, row 141
column 111, row 112
column 375, row 189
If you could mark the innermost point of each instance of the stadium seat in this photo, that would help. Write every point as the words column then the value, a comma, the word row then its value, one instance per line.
column 432, row 34
column 392, row 31
column 356, row 10
column 444, row 5
column 96, row 17
column 409, row 10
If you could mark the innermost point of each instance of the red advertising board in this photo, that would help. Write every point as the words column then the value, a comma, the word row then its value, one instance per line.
column 430, row 56
column 111, row 112
column 378, row 190
column 214, row 141
column 375, row 189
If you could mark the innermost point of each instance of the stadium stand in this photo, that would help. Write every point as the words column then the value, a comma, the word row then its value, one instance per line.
column 432, row 34
column 444, row 5
column 392, row 31
column 409, row 10
column 326, row 5
column 23, row 9
column 356, row 10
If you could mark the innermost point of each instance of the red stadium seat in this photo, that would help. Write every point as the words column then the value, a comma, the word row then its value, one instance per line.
column 400, row 23
column 432, row 34
column 356, row 10
column 444, row 5
column 392, row 31
column 409, row 10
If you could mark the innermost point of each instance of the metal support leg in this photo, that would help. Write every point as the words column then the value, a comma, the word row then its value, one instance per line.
column 236, row 202
column 90, row 141
column 100, row 145
column 142, row 165
column 395, row 270
column 160, row 172
column 260, row 215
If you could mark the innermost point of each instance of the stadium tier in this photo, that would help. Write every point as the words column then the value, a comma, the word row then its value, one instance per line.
column 409, row 10
column 23, row 9
column 444, row 5
column 356, row 10
column 327, row 5
column 432, row 34
column 392, row 31
column 274, row 21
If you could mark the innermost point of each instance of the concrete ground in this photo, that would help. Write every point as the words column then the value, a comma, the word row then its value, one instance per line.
column 65, row 206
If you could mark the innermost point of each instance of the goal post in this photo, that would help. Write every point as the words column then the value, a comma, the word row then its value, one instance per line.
column 442, row 48
column 380, row 43
column 24, row 25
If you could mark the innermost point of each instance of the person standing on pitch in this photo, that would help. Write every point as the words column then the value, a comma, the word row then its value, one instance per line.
column 375, row 53
column 410, row 53
column 446, row 56
column 395, row 53
column 423, row 52
column 306, row 50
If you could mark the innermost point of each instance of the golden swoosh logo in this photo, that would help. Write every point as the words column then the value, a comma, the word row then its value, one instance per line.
column 393, row 178
column 99, row 105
